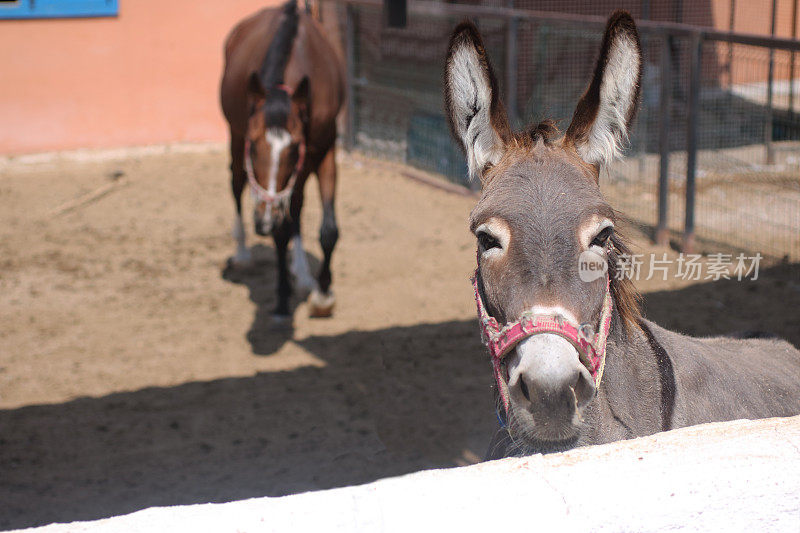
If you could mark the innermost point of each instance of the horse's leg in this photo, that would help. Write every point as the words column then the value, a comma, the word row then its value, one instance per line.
column 299, row 267
column 322, row 299
column 238, row 179
column 282, row 234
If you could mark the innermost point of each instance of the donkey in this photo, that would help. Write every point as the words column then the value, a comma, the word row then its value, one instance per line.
column 575, row 362
column 281, row 91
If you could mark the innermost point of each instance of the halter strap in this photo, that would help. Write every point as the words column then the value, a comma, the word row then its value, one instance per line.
column 285, row 88
column 260, row 193
column 500, row 340
column 282, row 197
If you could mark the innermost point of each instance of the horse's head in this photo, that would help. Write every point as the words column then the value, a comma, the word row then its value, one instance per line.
column 276, row 133
column 545, row 234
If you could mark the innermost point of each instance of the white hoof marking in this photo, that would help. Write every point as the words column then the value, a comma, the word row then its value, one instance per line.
column 242, row 255
column 321, row 304
column 300, row 268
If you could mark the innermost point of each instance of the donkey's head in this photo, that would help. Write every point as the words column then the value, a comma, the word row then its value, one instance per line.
column 541, row 217
column 276, row 132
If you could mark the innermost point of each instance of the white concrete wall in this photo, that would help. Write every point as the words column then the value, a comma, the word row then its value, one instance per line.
column 735, row 476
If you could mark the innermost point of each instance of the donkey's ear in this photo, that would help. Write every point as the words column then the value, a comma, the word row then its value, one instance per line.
column 474, row 111
column 301, row 98
column 601, row 123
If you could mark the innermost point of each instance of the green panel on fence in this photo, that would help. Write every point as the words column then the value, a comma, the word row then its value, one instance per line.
column 430, row 147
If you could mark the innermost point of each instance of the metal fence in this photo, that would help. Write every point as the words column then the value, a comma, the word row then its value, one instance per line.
column 714, row 159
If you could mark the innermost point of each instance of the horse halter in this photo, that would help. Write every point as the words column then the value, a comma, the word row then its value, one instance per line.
column 500, row 340
column 282, row 197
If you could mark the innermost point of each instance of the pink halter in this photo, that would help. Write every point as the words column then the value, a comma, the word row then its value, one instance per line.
column 282, row 197
column 591, row 347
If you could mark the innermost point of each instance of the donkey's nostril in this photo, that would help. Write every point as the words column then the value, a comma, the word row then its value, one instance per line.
column 584, row 389
column 524, row 389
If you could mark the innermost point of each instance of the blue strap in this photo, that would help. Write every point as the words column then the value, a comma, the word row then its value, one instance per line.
column 500, row 419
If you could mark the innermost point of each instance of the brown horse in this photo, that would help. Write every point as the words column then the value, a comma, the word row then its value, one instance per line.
column 575, row 362
column 281, row 91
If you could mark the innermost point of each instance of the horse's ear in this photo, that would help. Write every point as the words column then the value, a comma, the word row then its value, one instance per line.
column 301, row 98
column 604, row 114
column 476, row 116
column 254, row 85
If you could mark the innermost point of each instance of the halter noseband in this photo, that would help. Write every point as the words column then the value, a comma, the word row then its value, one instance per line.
column 282, row 197
column 499, row 340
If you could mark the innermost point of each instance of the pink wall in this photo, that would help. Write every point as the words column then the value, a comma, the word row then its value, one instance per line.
column 148, row 76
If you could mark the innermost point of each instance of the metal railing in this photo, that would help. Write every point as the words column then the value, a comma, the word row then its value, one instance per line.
column 714, row 156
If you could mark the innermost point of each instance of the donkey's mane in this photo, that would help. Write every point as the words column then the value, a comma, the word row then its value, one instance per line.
column 545, row 131
column 627, row 299
column 278, row 105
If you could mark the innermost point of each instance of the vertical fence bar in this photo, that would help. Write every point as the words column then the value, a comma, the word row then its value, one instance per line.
column 731, row 25
column 770, row 75
column 511, row 71
column 696, row 52
column 665, row 106
column 542, row 38
column 350, row 50
column 644, row 111
column 791, row 61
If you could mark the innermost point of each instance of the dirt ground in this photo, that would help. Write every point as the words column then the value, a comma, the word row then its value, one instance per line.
column 136, row 369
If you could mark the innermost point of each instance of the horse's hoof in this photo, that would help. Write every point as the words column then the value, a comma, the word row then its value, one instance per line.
column 281, row 322
column 321, row 304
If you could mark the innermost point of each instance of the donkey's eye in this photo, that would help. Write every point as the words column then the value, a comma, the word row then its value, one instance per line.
column 601, row 239
column 487, row 241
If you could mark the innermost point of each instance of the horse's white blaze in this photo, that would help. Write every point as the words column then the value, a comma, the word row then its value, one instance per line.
column 300, row 267
column 609, row 132
column 497, row 228
column 471, row 98
column 278, row 139
column 589, row 230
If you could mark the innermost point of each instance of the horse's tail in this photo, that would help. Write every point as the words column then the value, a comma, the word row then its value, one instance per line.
column 273, row 67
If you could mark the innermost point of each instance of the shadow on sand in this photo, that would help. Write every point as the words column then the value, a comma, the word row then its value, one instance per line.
column 265, row 335
column 364, row 416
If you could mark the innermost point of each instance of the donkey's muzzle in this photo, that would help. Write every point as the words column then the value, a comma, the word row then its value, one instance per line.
column 547, row 378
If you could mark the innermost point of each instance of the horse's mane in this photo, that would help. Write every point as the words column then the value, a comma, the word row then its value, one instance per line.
column 272, row 69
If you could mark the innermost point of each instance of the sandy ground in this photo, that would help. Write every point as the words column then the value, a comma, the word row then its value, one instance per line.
column 136, row 369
